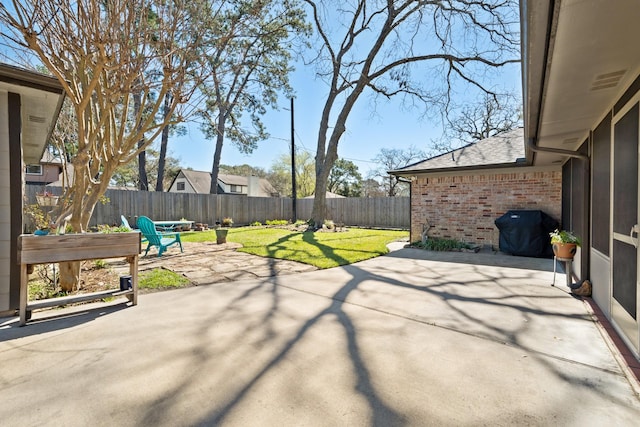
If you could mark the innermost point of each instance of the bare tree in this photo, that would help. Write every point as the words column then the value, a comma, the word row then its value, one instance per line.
column 103, row 52
column 391, row 159
column 475, row 122
column 372, row 188
column 377, row 46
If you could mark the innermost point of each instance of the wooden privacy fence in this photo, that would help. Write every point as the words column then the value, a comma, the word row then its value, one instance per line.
column 387, row 212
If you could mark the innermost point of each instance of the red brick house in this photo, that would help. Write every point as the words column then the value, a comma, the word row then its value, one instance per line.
column 461, row 193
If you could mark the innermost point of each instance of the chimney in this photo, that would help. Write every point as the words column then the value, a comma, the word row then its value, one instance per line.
column 253, row 188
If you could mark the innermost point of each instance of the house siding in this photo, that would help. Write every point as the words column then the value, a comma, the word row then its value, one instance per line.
column 50, row 173
column 465, row 206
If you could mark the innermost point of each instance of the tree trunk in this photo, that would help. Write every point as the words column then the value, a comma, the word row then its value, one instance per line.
column 143, row 183
column 218, row 153
column 69, row 275
column 319, row 212
column 164, row 141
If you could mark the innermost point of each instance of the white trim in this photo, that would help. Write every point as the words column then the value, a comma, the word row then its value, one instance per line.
column 26, row 170
column 624, row 110
column 623, row 322
column 494, row 171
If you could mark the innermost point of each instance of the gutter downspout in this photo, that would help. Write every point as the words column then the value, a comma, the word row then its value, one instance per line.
column 533, row 147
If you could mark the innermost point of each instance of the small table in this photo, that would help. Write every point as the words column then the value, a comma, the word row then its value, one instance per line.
column 170, row 225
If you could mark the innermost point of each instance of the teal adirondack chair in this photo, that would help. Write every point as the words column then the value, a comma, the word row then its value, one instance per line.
column 125, row 223
column 160, row 240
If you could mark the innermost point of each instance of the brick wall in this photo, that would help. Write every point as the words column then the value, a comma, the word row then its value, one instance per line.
column 464, row 207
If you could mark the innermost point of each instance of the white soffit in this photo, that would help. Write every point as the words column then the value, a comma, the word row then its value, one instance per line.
column 39, row 105
column 595, row 56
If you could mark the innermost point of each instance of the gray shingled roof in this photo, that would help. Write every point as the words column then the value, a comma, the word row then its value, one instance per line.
column 201, row 182
column 504, row 149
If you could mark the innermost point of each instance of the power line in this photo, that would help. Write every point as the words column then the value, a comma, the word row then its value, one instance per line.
column 299, row 140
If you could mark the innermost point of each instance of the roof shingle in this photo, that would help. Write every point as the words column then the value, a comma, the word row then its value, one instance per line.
column 504, row 149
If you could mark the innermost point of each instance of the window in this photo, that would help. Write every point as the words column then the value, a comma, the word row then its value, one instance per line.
column 236, row 188
column 180, row 186
column 34, row 169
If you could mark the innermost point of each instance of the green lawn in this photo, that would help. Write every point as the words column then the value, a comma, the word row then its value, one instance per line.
column 323, row 250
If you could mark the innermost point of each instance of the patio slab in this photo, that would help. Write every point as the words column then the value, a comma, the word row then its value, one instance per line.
column 411, row 338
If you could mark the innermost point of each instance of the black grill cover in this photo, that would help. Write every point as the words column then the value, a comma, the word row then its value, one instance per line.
column 526, row 233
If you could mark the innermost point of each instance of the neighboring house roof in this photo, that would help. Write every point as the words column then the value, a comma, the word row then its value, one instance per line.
column 502, row 150
column 48, row 158
column 201, row 182
column 329, row 195
column 233, row 179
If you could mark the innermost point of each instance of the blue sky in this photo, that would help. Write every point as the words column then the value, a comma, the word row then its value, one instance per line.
column 368, row 131
column 369, row 128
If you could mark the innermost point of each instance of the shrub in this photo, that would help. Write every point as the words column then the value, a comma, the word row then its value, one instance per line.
column 277, row 222
column 104, row 228
column 40, row 218
column 227, row 221
column 99, row 264
column 442, row 245
column 256, row 224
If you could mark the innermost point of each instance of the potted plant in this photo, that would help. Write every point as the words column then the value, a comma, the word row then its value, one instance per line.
column 47, row 199
column 221, row 233
column 564, row 243
column 186, row 226
column 41, row 219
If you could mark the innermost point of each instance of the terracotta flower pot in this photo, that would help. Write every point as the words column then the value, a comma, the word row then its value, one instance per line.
column 564, row 250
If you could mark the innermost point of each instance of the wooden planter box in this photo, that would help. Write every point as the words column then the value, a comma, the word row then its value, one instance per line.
column 76, row 247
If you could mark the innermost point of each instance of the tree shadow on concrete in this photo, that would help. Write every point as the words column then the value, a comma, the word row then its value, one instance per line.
column 439, row 285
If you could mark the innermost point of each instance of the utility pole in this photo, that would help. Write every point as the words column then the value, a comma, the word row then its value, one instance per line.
column 293, row 168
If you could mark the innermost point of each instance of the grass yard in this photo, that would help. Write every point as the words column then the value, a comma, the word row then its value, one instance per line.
column 320, row 249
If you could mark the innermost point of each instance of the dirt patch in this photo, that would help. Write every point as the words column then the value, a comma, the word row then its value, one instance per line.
column 94, row 279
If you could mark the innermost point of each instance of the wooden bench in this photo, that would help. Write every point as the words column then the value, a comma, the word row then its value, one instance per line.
column 76, row 247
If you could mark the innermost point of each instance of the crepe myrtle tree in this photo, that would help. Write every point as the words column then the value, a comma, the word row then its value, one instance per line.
column 422, row 50
column 104, row 52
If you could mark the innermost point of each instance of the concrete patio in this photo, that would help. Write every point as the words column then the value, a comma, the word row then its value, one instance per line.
column 411, row 338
